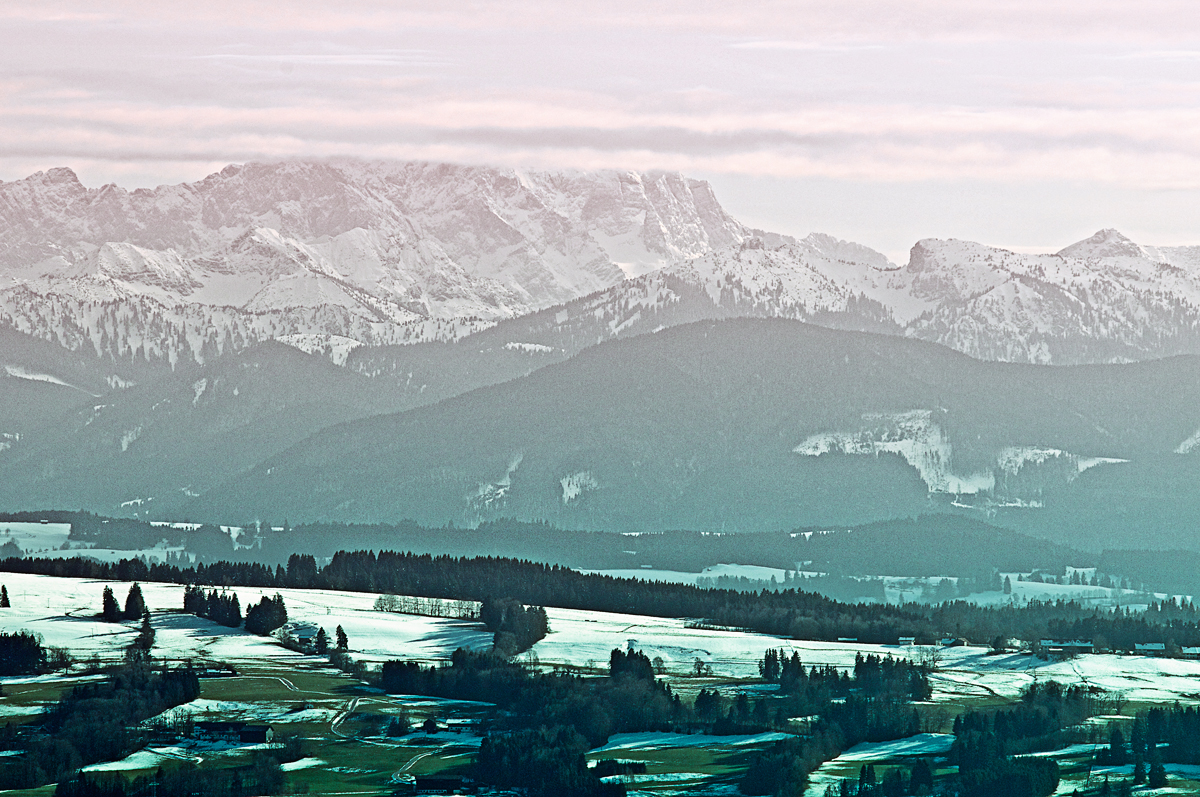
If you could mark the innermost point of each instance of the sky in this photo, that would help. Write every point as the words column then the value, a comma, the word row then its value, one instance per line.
column 1026, row 124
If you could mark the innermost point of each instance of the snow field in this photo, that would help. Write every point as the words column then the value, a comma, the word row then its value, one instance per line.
column 657, row 741
column 35, row 537
column 63, row 611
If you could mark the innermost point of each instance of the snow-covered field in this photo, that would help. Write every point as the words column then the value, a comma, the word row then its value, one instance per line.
column 652, row 740
column 969, row 672
column 832, row 772
column 35, row 537
column 63, row 611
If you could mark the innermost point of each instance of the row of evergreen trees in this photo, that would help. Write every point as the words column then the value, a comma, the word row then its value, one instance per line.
column 22, row 653
column 892, row 784
column 261, row 618
column 220, row 607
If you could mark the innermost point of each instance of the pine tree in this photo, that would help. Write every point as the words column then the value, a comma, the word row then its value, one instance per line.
column 322, row 643
column 135, row 605
column 1007, row 586
column 343, row 642
column 1158, row 774
column 4, row 604
column 1116, row 747
column 110, row 612
column 145, row 637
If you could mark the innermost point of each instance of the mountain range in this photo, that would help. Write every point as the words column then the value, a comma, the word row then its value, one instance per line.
column 181, row 349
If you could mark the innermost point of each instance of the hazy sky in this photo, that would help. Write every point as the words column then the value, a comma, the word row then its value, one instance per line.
column 1024, row 124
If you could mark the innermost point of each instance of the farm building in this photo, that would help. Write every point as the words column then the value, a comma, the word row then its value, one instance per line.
column 239, row 732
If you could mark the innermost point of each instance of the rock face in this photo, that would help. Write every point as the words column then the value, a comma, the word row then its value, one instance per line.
column 375, row 252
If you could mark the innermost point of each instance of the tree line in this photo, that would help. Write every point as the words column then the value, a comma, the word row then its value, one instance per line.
column 224, row 607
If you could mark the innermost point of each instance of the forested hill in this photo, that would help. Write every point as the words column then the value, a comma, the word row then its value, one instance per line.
column 929, row 545
column 761, row 425
column 925, row 545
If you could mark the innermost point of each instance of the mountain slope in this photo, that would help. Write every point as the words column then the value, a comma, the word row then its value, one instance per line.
column 736, row 425
column 152, row 445
column 378, row 252
column 1105, row 299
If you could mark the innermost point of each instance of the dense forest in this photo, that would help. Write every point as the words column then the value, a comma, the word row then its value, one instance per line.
column 96, row 721
column 22, row 653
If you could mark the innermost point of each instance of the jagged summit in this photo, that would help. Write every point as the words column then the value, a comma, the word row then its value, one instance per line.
column 379, row 251
column 1105, row 243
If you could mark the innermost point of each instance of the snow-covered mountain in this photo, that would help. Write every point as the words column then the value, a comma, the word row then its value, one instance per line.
column 334, row 256
column 1104, row 299
column 374, row 252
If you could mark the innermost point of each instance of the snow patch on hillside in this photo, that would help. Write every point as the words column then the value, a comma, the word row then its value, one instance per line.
column 336, row 347
column 1189, row 445
column 916, row 437
column 529, row 348
column 920, row 440
column 18, row 372
column 128, row 438
column 492, row 495
column 1012, row 459
column 577, row 484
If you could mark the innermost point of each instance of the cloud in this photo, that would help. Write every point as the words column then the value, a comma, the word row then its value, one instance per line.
column 865, row 91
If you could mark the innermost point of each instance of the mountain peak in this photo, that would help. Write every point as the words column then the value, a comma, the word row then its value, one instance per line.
column 1105, row 243
column 61, row 174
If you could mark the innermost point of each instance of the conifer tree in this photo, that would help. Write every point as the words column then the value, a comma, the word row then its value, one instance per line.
column 135, row 605
column 322, row 643
column 343, row 642
column 1158, row 774
column 4, row 603
column 145, row 637
column 110, row 612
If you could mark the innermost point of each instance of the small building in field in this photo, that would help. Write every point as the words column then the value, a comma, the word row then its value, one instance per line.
column 1149, row 648
column 257, row 734
column 1190, row 653
column 299, row 635
column 446, row 785
column 234, row 732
